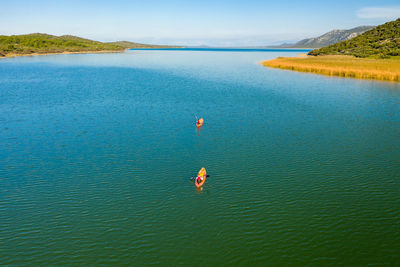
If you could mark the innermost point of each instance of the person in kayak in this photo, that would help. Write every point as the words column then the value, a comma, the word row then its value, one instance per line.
column 199, row 179
column 199, row 122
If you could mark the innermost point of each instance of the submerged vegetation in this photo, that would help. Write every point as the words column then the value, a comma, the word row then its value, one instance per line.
column 380, row 42
column 344, row 66
column 38, row 43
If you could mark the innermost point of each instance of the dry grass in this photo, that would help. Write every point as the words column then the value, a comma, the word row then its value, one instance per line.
column 343, row 66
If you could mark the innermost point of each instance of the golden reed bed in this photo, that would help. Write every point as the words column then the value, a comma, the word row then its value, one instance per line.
column 343, row 66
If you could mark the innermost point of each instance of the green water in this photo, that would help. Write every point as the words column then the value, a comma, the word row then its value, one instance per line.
column 97, row 151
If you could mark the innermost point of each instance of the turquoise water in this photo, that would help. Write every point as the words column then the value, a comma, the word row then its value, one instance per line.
column 97, row 152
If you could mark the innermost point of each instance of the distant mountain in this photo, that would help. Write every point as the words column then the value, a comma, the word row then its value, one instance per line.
column 382, row 41
column 127, row 44
column 329, row 38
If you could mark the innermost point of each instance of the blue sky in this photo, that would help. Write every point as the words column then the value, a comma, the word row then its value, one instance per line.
column 202, row 22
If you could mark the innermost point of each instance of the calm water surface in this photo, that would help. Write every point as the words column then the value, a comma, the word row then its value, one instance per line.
column 96, row 152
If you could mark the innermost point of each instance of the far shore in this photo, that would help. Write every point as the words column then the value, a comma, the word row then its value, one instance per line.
column 11, row 55
column 342, row 66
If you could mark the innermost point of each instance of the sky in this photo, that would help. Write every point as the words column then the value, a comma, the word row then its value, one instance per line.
column 193, row 23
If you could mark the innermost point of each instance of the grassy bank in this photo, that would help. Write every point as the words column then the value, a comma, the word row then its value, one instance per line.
column 343, row 66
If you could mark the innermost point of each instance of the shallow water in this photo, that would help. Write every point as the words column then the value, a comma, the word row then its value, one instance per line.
column 97, row 152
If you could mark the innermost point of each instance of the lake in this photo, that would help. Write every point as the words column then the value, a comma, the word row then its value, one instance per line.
column 97, row 152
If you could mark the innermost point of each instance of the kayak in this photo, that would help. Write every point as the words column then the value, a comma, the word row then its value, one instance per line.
column 200, row 122
column 202, row 173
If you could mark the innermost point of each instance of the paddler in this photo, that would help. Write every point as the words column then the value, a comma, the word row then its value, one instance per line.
column 199, row 179
column 199, row 122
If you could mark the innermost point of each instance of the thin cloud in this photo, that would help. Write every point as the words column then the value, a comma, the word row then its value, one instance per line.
column 379, row 12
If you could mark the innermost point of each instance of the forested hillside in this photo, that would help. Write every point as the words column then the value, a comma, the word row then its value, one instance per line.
column 40, row 43
column 45, row 43
column 381, row 42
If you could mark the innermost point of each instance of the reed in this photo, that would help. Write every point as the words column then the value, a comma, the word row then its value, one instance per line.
column 343, row 66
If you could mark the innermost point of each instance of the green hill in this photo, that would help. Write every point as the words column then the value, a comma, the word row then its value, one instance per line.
column 39, row 43
column 44, row 43
column 382, row 41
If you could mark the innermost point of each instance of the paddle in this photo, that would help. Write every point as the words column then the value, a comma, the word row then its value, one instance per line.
column 192, row 178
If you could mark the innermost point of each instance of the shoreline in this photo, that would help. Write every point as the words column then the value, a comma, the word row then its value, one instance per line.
column 340, row 66
column 62, row 53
